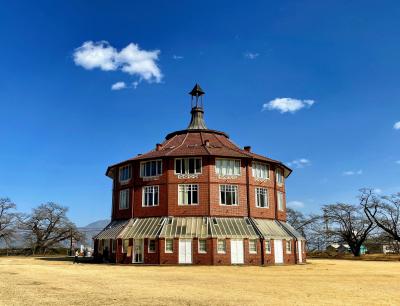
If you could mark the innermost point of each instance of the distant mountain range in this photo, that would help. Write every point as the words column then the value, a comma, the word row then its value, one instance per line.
column 93, row 229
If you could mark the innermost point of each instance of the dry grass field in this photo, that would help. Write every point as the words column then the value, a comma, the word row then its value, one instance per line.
column 35, row 281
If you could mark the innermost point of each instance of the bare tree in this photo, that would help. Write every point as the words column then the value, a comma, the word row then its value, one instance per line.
column 8, row 220
column 347, row 223
column 47, row 226
column 384, row 211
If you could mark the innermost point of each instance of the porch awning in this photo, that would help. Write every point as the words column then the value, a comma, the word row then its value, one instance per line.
column 140, row 228
column 112, row 230
column 186, row 227
column 291, row 230
column 271, row 229
column 232, row 228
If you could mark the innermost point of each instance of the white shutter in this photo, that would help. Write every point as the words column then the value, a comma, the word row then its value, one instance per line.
column 299, row 250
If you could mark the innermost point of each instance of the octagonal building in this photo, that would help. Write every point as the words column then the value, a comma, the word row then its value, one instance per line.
column 198, row 198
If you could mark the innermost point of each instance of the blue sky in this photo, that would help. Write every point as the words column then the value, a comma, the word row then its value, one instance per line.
column 335, row 64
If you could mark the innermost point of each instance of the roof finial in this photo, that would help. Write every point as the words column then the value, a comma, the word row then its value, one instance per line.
column 197, row 120
column 198, row 93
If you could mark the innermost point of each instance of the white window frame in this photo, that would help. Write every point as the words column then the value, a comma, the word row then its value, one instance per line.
column 127, row 191
column 261, row 190
column 217, row 160
column 148, row 246
column 279, row 176
column 120, row 172
column 172, row 245
column 158, row 171
column 255, row 246
column 256, row 168
column 224, row 244
column 236, row 196
column 205, row 246
column 268, row 250
column 190, row 193
column 288, row 246
column 185, row 160
column 280, row 200
column 144, row 195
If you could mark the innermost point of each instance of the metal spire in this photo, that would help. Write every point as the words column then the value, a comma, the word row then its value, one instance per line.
column 197, row 120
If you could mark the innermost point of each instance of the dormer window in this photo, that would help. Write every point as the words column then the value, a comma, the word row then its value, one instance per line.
column 260, row 170
column 151, row 168
column 125, row 174
column 225, row 167
column 190, row 165
column 279, row 176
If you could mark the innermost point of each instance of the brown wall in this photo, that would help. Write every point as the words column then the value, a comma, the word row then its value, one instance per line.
column 208, row 182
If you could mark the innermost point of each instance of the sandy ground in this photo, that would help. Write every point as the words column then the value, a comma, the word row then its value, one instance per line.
column 35, row 281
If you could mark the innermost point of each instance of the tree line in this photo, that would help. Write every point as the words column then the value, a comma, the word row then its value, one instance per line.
column 374, row 216
column 39, row 231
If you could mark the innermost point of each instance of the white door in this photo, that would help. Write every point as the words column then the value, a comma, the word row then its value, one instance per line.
column 138, row 251
column 237, row 251
column 278, row 251
column 185, row 251
column 300, row 251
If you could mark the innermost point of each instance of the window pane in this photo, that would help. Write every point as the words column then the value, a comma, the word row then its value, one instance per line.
column 159, row 167
column 191, row 165
column 198, row 165
column 178, row 165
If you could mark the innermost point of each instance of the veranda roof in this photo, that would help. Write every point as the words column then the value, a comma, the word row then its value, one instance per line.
column 112, row 230
column 291, row 230
column 140, row 228
column 186, row 227
column 271, row 229
column 232, row 228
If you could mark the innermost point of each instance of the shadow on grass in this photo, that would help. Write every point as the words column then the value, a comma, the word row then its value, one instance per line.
column 87, row 260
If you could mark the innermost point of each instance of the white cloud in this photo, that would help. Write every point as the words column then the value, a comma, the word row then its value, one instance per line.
column 251, row 55
column 299, row 163
column 295, row 204
column 378, row 190
column 177, row 57
column 135, row 84
column 130, row 59
column 351, row 172
column 396, row 126
column 285, row 105
column 118, row 86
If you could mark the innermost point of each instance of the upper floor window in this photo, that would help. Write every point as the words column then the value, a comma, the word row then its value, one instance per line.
column 262, row 197
column 279, row 176
column 151, row 168
column 124, row 199
column 260, row 170
column 125, row 173
column 280, row 200
column 188, row 194
column 227, row 166
column 150, row 196
column 228, row 194
column 190, row 165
